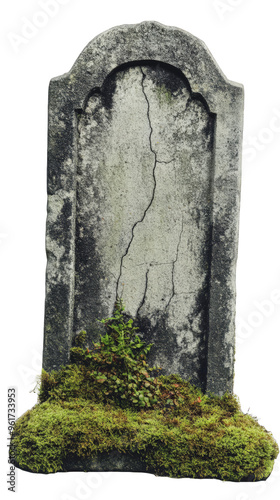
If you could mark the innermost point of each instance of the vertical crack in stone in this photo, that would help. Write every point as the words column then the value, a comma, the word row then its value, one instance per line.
column 153, row 193
column 145, row 293
column 173, row 265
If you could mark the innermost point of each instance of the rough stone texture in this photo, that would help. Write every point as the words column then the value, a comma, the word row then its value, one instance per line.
column 114, row 461
column 143, row 183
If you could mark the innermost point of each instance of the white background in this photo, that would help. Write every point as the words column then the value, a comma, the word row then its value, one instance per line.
column 243, row 36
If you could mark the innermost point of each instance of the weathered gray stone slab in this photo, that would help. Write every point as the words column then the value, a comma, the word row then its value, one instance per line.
column 143, row 199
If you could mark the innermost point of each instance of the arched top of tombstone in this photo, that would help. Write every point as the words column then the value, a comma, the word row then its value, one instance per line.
column 149, row 41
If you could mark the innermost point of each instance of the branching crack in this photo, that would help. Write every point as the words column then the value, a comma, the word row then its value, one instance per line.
column 145, row 293
column 154, row 188
column 173, row 265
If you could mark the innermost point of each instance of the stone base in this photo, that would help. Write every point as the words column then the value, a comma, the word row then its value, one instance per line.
column 117, row 462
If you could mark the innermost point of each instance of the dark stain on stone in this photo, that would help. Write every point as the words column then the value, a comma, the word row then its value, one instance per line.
column 191, row 367
column 56, row 349
column 62, row 151
column 165, row 76
column 208, row 131
column 88, row 275
column 59, row 230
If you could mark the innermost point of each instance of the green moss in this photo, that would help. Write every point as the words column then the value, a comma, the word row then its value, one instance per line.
column 164, row 94
column 214, row 443
column 108, row 399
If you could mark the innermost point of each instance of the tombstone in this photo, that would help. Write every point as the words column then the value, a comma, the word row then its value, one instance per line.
column 144, row 153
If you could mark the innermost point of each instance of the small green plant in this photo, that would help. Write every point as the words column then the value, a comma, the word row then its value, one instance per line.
column 117, row 362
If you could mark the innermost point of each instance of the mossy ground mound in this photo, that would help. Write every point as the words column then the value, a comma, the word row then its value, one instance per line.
column 107, row 400
column 209, row 437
